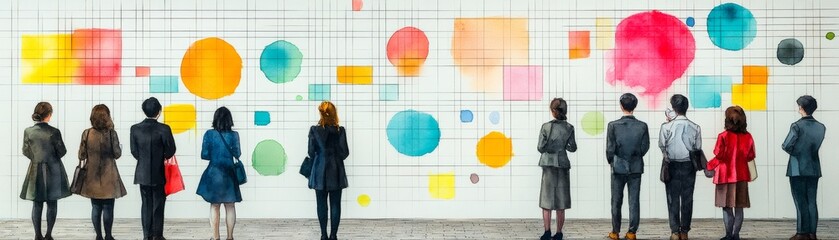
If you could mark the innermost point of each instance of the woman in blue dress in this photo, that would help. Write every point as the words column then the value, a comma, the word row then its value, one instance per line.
column 218, row 183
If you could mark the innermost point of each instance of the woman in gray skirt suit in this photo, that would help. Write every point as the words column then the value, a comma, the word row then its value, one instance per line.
column 555, row 138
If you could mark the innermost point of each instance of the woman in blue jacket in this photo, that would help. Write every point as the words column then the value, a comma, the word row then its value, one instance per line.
column 328, row 149
column 218, row 183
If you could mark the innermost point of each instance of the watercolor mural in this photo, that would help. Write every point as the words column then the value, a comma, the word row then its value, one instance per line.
column 652, row 50
column 211, row 68
column 442, row 103
column 407, row 50
column 85, row 56
column 482, row 46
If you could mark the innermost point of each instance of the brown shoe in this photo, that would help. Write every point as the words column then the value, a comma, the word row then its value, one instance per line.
column 630, row 236
column 683, row 236
column 614, row 236
column 812, row 236
column 674, row 236
column 799, row 236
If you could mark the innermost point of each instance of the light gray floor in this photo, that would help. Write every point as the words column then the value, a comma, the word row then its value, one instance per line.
column 412, row 229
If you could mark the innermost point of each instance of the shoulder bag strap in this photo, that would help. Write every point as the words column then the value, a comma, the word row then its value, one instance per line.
column 87, row 150
column 229, row 150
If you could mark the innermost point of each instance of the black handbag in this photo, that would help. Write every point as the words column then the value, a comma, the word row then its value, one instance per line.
column 664, row 176
column 306, row 167
column 238, row 167
column 81, row 171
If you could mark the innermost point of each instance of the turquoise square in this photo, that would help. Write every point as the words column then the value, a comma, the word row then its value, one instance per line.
column 261, row 118
column 389, row 92
column 163, row 84
column 320, row 92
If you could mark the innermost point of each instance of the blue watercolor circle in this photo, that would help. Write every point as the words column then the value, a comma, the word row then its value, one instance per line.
column 690, row 22
column 413, row 133
column 466, row 116
column 494, row 117
column 280, row 61
column 731, row 26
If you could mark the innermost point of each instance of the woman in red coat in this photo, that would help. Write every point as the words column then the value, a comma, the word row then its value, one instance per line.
column 735, row 148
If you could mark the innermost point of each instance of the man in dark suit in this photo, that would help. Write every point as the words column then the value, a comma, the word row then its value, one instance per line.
column 627, row 141
column 151, row 144
column 804, row 170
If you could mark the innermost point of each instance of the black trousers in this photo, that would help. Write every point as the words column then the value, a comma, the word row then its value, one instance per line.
column 804, row 191
column 680, row 196
column 334, row 199
column 154, row 202
column 633, row 183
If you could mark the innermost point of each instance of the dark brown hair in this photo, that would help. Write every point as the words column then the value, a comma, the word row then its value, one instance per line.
column 42, row 111
column 100, row 118
column 328, row 114
column 559, row 108
column 735, row 119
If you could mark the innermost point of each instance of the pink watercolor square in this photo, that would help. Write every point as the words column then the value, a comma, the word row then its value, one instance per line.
column 142, row 71
column 522, row 83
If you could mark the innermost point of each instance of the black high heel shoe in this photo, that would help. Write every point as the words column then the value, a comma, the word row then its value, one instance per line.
column 558, row 236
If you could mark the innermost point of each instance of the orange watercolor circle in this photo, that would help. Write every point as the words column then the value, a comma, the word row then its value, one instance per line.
column 211, row 68
column 495, row 150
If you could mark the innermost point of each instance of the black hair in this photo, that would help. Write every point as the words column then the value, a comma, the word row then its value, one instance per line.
column 559, row 108
column 808, row 103
column 680, row 104
column 629, row 102
column 222, row 120
column 151, row 107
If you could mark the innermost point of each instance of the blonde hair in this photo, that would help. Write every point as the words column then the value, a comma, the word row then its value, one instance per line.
column 328, row 114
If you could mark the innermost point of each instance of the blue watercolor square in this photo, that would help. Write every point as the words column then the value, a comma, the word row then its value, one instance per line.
column 163, row 84
column 320, row 92
column 261, row 118
column 466, row 116
column 705, row 91
column 389, row 92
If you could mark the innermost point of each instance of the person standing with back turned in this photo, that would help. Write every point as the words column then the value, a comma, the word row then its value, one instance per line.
column 328, row 149
column 556, row 139
column 627, row 141
column 151, row 144
column 678, row 139
column 46, row 179
column 804, row 169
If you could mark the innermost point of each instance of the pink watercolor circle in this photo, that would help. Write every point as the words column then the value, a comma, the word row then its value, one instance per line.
column 652, row 50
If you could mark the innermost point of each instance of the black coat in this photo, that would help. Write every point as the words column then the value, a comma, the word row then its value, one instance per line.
column 627, row 141
column 46, row 179
column 328, row 149
column 151, row 144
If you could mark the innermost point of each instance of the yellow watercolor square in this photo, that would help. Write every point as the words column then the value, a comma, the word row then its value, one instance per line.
column 180, row 117
column 355, row 74
column 47, row 58
column 749, row 96
column 441, row 186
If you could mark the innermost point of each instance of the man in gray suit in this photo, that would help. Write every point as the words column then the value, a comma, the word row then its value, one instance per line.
column 627, row 141
column 804, row 170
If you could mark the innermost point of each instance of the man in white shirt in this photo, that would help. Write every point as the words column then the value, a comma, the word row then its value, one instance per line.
column 678, row 138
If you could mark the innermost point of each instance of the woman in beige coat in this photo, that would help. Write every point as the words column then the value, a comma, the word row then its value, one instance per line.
column 98, row 153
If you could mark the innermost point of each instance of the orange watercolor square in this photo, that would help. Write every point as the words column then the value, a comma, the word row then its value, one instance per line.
column 755, row 74
column 579, row 44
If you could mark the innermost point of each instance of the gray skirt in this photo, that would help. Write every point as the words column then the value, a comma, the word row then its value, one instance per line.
column 556, row 189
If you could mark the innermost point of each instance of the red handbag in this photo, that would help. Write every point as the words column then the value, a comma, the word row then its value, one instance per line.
column 174, row 179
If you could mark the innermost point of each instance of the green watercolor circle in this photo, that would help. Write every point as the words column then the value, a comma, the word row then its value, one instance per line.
column 593, row 123
column 298, row 98
column 269, row 158
column 830, row 35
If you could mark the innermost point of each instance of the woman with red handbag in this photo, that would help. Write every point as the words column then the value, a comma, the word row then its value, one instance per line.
column 46, row 179
column 99, row 150
column 734, row 150
column 219, row 183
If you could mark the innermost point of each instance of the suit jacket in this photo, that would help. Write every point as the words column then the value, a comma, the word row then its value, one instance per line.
column 802, row 143
column 555, row 138
column 627, row 141
column 328, row 148
column 151, row 144
column 46, row 178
